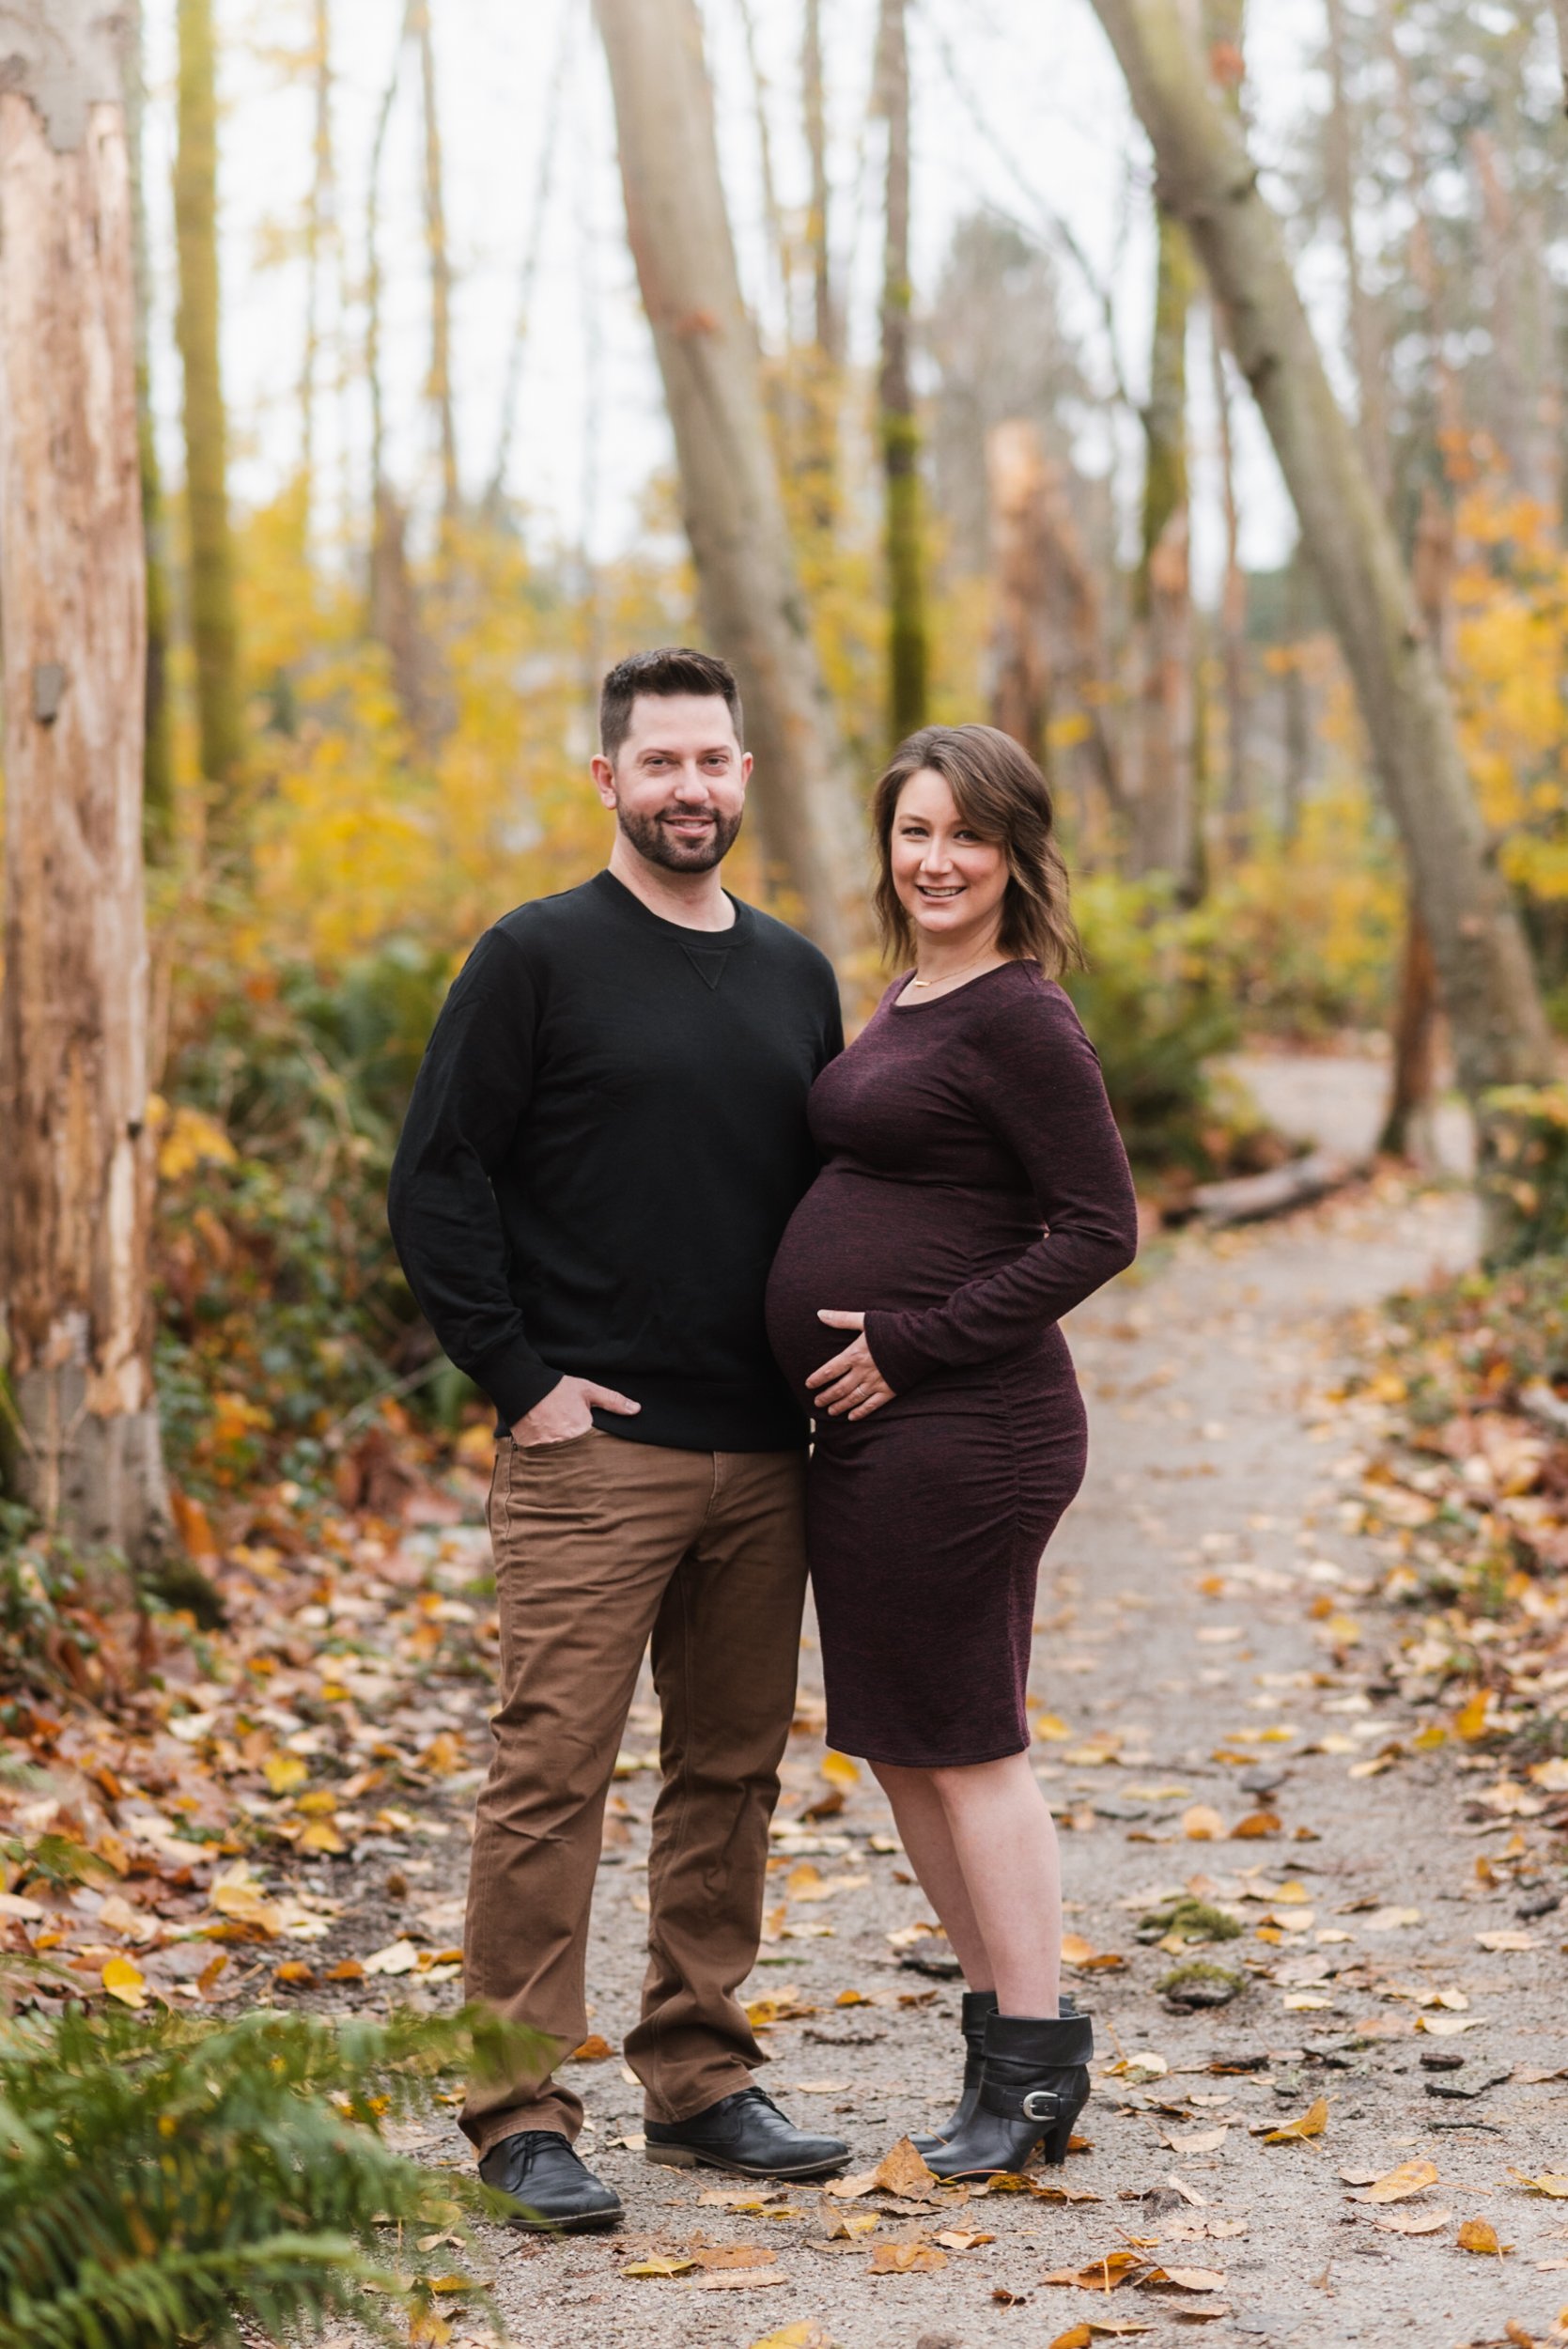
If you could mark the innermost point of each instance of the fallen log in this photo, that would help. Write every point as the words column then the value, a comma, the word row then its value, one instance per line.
column 1251, row 1198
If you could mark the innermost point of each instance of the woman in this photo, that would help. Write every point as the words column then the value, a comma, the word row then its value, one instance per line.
column 950, row 1431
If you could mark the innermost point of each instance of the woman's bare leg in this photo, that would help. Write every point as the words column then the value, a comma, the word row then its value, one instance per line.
column 927, row 1839
column 1002, row 1836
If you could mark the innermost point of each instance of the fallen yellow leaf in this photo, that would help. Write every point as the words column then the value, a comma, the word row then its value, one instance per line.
column 838, row 1770
column 1470, row 1722
column 1101, row 2274
column 593, row 2050
column 1413, row 2221
column 1051, row 1729
column 125, row 1982
column 806, row 2334
column 321, row 1836
column 659, row 2265
column 903, row 2171
column 1479, row 2234
column 235, row 1895
column 1310, row 2123
column 1550, row 2182
column 907, row 2259
column 283, row 1772
column 1397, row 2186
column 1203, row 1824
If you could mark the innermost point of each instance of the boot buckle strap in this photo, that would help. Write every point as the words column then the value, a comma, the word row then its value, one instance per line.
column 1041, row 2104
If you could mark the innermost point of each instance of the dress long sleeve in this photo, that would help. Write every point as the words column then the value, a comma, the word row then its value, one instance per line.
column 472, row 1089
column 1036, row 1082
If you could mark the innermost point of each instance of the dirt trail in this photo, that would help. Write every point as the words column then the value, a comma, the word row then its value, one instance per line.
column 1206, row 1637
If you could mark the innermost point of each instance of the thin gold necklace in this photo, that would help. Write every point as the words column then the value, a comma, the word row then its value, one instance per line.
column 954, row 974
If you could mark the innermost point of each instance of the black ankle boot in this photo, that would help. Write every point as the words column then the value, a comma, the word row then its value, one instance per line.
column 979, row 2005
column 1033, row 2084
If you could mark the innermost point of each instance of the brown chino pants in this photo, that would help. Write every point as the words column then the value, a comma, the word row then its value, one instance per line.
column 600, row 1546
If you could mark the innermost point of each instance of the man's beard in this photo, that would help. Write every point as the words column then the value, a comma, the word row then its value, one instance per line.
column 652, row 838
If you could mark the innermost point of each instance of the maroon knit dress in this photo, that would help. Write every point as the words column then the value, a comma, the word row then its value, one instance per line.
column 951, row 1132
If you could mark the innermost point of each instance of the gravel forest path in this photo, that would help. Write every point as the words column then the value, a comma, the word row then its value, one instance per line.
column 1210, row 1648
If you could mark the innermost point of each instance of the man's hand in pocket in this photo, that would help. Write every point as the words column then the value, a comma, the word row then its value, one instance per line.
column 567, row 1410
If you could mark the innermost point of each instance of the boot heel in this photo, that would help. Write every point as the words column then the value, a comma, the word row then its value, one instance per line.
column 670, row 2157
column 1053, row 2149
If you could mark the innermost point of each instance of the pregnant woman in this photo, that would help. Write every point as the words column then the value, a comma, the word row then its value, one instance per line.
column 973, row 1189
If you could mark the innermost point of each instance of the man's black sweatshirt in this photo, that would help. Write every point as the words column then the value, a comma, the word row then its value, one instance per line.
column 606, row 1140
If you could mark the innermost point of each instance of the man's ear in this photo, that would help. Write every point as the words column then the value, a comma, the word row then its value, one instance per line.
column 604, row 778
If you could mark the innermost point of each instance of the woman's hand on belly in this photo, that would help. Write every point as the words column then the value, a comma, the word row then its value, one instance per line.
column 851, row 1382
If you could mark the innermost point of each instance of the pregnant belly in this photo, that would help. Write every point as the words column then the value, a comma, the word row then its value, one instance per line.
column 855, row 1243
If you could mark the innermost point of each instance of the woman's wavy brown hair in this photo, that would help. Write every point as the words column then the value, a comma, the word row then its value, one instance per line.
column 1001, row 793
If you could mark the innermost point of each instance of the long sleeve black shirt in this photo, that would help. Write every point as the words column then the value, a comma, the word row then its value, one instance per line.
column 606, row 1140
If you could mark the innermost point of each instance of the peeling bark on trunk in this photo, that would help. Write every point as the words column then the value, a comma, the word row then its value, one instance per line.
column 75, row 1205
column 750, row 598
column 1206, row 178
column 214, row 629
column 903, row 520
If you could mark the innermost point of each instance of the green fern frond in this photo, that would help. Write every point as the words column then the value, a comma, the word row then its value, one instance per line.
column 165, row 2178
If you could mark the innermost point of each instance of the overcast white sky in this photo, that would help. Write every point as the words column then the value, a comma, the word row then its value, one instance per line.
column 1057, row 135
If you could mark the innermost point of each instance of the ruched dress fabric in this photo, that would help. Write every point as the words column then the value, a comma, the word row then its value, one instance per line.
column 973, row 1189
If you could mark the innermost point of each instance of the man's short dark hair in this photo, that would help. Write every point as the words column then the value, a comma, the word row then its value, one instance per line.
column 672, row 669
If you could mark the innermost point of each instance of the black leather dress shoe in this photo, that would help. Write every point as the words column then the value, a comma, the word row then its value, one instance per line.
column 745, row 2131
column 558, row 2194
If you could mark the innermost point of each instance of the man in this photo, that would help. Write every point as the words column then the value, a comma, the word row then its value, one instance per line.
column 606, row 1140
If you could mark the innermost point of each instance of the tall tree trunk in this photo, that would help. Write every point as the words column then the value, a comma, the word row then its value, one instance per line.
column 394, row 601
column 75, row 1203
column 1408, row 1126
column 158, row 752
column 319, row 221
column 1207, row 179
column 825, row 310
column 1020, row 675
column 819, row 453
column 750, row 598
column 1515, row 401
column 1233, row 613
column 1048, row 636
column 555, row 107
column 1297, row 727
column 903, row 520
column 1423, row 260
column 440, row 382
column 1164, row 831
column 1366, row 342
column 214, row 631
